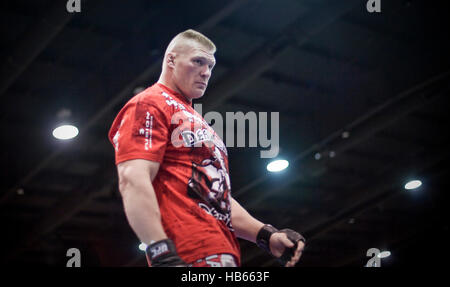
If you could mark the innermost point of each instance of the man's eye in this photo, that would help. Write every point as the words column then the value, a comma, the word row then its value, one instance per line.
column 198, row 61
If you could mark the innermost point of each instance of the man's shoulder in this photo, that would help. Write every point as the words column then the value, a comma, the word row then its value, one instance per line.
column 161, row 99
column 153, row 95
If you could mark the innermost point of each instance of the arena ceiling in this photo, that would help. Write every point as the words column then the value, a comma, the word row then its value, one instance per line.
column 362, row 100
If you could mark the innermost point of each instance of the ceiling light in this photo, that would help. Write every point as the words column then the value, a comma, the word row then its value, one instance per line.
column 384, row 254
column 277, row 165
column 142, row 246
column 65, row 132
column 137, row 90
column 413, row 184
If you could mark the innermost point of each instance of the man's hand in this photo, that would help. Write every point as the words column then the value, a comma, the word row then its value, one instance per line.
column 286, row 245
column 280, row 243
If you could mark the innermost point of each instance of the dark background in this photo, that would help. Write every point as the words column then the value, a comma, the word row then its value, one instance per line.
column 326, row 66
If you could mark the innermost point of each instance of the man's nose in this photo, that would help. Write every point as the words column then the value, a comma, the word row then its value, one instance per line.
column 205, row 72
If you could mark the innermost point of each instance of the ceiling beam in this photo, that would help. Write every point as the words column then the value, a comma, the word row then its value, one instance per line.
column 149, row 73
column 361, row 129
column 372, row 197
column 64, row 210
column 33, row 43
column 241, row 76
column 72, row 205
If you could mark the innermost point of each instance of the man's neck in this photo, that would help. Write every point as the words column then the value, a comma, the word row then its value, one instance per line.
column 173, row 88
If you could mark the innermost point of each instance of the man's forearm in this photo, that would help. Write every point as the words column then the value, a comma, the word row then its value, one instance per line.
column 142, row 211
column 245, row 225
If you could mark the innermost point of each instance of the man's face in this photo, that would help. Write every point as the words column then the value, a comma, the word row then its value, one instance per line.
column 192, row 68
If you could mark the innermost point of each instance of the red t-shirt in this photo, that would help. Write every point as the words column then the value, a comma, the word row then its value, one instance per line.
column 192, row 185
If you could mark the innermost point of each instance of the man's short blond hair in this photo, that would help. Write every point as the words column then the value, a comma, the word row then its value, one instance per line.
column 195, row 36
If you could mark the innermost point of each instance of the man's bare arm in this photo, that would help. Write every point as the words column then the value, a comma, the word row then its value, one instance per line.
column 245, row 225
column 139, row 199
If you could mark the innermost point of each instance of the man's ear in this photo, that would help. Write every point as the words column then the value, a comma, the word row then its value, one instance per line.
column 171, row 60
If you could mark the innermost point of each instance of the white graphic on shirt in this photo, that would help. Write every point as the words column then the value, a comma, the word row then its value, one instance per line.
column 210, row 182
column 194, row 136
column 191, row 138
column 148, row 131
column 116, row 141
column 171, row 102
column 217, row 215
column 116, row 137
column 194, row 118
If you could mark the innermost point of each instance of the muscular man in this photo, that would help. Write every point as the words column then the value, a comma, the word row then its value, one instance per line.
column 173, row 171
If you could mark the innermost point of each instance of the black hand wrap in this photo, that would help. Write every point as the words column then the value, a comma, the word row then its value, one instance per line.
column 263, row 241
column 163, row 254
column 263, row 237
column 288, row 253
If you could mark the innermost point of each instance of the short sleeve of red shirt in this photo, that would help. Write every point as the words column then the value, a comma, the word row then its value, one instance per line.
column 140, row 131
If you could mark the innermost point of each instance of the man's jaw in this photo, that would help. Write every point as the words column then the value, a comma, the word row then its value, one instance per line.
column 203, row 85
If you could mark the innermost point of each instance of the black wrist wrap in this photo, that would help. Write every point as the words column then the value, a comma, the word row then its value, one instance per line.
column 263, row 237
column 163, row 254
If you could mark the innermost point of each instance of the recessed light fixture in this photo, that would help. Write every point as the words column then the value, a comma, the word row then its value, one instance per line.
column 142, row 246
column 384, row 254
column 277, row 165
column 137, row 90
column 413, row 184
column 65, row 132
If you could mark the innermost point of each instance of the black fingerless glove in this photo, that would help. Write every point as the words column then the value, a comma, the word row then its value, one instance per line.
column 288, row 253
column 263, row 241
column 263, row 237
column 163, row 254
